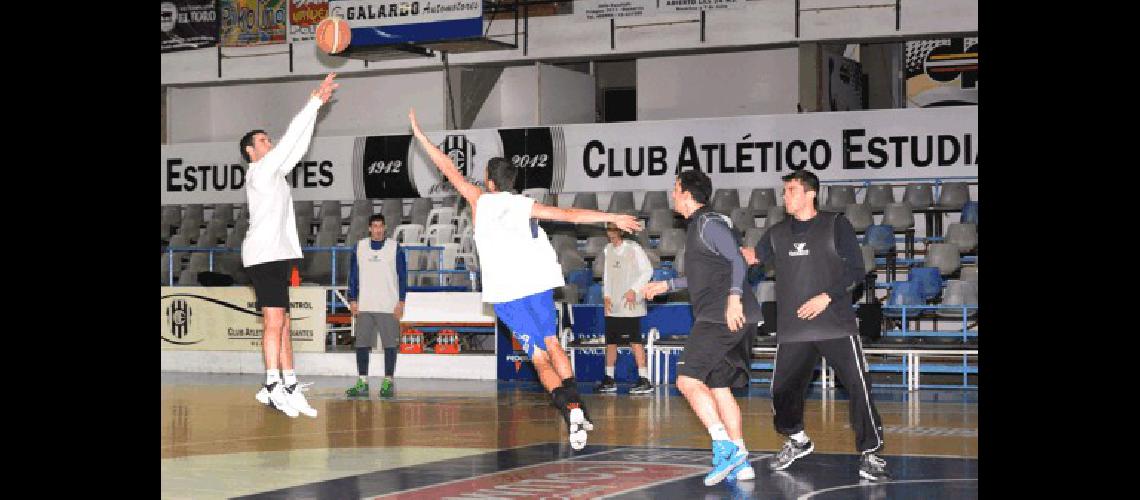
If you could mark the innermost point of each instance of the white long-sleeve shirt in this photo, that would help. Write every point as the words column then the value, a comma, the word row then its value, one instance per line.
column 627, row 268
column 272, row 231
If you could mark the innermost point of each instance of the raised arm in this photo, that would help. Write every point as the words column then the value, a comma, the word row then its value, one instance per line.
column 293, row 145
column 469, row 191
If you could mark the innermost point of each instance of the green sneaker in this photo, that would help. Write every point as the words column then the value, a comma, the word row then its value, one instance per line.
column 387, row 388
column 360, row 389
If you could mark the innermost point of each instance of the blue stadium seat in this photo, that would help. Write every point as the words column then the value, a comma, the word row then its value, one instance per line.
column 664, row 272
column 927, row 281
column 970, row 213
column 581, row 278
column 903, row 293
column 880, row 237
column 595, row 295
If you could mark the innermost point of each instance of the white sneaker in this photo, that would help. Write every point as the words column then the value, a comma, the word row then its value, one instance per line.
column 262, row 396
column 277, row 398
column 298, row 401
column 577, row 429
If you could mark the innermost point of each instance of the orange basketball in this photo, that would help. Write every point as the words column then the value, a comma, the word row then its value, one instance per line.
column 333, row 34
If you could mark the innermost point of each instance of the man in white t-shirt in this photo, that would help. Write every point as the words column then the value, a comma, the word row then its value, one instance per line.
column 627, row 270
column 520, row 271
column 271, row 246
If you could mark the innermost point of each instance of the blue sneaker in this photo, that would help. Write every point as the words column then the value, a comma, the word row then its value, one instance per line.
column 725, row 458
column 744, row 471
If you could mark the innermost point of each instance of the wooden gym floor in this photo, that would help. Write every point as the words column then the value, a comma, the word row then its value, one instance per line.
column 471, row 439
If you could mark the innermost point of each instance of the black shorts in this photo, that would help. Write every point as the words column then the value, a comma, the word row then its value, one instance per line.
column 271, row 282
column 623, row 331
column 718, row 357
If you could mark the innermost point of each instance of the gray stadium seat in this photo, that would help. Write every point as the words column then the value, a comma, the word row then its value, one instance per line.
column 898, row 216
column 919, row 195
column 776, row 214
column 944, row 256
column 838, row 197
column 361, row 208
column 761, row 199
column 393, row 210
column 752, row 237
column 304, row 207
column 957, row 293
column 188, row 277
column 725, row 200
column 953, row 195
column 166, row 269
column 742, row 220
column 970, row 273
column 672, row 241
column 570, row 260
column 962, row 235
column 223, row 212
column 859, row 215
column 654, row 200
column 879, row 196
column 868, row 258
column 586, row 200
column 621, row 202
column 659, row 220
column 595, row 245
column 421, row 208
column 330, row 207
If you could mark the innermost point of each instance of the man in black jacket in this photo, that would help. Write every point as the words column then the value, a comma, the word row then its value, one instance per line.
column 718, row 354
column 817, row 261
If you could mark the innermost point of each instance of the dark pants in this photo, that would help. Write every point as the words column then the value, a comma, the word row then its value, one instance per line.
column 795, row 363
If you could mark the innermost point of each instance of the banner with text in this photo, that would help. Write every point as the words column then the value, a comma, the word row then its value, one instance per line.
column 379, row 22
column 227, row 319
column 742, row 151
column 591, row 10
column 303, row 18
column 253, row 22
column 189, row 24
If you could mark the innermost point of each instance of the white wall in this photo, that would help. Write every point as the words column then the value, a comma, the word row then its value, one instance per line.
column 767, row 22
column 362, row 105
column 565, row 96
column 712, row 85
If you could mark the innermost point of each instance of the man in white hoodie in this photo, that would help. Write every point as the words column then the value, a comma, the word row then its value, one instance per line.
column 627, row 270
column 271, row 246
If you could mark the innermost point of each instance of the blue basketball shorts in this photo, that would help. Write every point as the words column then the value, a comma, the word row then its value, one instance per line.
column 532, row 319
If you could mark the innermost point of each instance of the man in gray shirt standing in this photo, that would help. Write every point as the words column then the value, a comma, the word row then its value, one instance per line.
column 817, row 263
column 718, row 354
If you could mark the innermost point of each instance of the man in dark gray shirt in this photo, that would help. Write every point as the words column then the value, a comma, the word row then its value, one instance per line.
column 718, row 354
column 817, row 261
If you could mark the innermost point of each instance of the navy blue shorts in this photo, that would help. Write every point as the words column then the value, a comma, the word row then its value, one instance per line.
column 532, row 319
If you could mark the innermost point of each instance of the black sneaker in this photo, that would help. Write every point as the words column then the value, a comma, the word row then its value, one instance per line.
column 643, row 386
column 873, row 468
column 789, row 453
column 607, row 385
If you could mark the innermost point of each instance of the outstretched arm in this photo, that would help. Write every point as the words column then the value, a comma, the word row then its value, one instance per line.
column 469, row 191
column 627, row 223
column 293, row 145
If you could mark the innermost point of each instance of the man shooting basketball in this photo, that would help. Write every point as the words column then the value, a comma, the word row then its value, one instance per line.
column 271, row 246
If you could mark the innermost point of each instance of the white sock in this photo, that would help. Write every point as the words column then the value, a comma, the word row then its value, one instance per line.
column 363, row 378
column 290, row 377
column 643, row 372
column 718, row 433
column 610, row 371
column 740, row 444
column 272, row 376
column 799, row 437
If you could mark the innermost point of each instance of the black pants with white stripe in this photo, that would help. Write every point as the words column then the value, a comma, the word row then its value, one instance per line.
column 795, row 363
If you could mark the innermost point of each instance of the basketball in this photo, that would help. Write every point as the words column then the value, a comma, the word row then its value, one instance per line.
column 333, row 35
